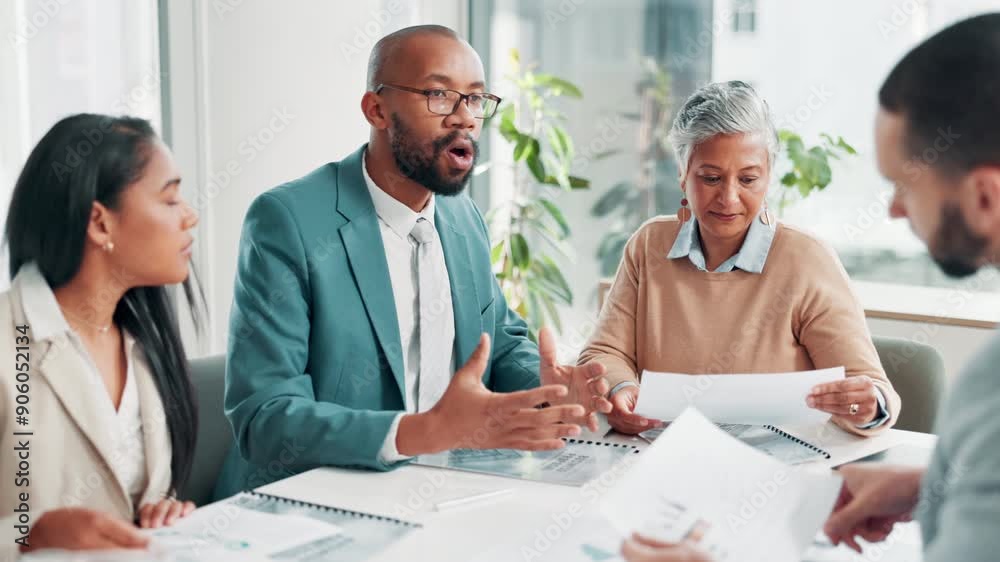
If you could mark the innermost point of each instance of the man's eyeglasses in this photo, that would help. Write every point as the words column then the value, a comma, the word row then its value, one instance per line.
column 445, row 102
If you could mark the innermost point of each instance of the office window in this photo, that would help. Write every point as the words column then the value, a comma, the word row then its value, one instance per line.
column 61, row 57
column 814, row 80
column 744, row 16
column 634, row 61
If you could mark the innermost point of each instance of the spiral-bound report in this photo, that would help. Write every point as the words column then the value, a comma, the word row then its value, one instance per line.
column 574, row 465
column 777, row 443
column 768, row 439
column 259, row 526
column 315, row 508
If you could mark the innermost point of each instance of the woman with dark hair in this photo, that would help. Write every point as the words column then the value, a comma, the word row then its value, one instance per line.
column 97, row 409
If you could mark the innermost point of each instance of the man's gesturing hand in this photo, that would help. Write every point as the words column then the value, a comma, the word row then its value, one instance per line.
column 470, row 416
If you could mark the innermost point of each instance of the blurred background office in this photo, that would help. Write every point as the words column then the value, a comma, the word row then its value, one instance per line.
column 252, row 93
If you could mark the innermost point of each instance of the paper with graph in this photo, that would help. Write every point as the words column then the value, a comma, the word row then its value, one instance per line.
column 696, row 482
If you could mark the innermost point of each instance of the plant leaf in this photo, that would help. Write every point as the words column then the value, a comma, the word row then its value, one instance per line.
column 536, row 167
column 612, row 241
column 784, row 135
column 556, row 214
column 560, row 174
column 496, row 253
column 795, row 146
column 507, row 126
column 525, row 147
column 605, row 154
column 558, row 86
column 575, row 182
column 553, row 313
column 561, row 142
column 611, row 199
column 551, row 279
column 805, row 186
column 553, row 239
column 520, row 254
column 847, row 148
column 611, row 249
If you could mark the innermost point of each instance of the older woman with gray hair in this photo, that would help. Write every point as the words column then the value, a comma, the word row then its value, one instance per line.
column 724, row 288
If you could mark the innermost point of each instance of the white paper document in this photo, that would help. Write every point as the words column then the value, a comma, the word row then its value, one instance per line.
column 223, row 531
column 773, row 398
column 698, row 483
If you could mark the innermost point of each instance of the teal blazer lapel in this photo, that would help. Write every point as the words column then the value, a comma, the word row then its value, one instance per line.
column 464, row 296
column 363, row 243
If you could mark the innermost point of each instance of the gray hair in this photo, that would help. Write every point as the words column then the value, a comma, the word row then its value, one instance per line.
column 722, row 108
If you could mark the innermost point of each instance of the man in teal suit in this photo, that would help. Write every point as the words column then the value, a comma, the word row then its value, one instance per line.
column 362, row 286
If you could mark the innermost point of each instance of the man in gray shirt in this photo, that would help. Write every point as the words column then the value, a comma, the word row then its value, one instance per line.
column 938, row 140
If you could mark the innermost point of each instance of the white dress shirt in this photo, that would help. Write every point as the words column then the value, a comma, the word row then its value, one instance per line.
column 129, row 458
column 395, row 221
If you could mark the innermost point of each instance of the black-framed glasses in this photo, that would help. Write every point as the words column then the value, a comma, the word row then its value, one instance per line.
column 445, row 102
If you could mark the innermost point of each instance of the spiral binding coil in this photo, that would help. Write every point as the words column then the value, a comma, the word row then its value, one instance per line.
column 805, row 444
column 604, row 443
column 355, row 514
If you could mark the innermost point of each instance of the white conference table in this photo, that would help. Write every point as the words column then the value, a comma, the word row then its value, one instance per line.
column 463, row 533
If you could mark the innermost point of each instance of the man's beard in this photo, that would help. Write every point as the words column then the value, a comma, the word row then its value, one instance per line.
column 957, row 250
column 414, row 162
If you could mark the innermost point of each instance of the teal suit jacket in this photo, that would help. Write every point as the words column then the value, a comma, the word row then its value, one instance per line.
column 314, row 370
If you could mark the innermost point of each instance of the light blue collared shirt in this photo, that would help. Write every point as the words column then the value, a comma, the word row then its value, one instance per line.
column 750, row 258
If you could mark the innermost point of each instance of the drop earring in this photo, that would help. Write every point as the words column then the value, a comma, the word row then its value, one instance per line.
column 766, row 217
column 683, row 214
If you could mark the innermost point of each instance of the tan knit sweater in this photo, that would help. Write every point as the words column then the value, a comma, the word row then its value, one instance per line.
column 798, row 314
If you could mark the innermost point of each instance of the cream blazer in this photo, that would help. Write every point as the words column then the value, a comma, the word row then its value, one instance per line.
column 70, row 451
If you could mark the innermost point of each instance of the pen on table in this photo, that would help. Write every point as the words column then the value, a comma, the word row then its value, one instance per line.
column 475, row 498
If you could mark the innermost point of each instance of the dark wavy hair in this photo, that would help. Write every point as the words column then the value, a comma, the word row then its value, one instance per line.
column 947, row 89
column 82, row 159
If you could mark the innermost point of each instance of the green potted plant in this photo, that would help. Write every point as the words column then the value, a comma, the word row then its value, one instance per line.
column 529, row 229
column 810, row 166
